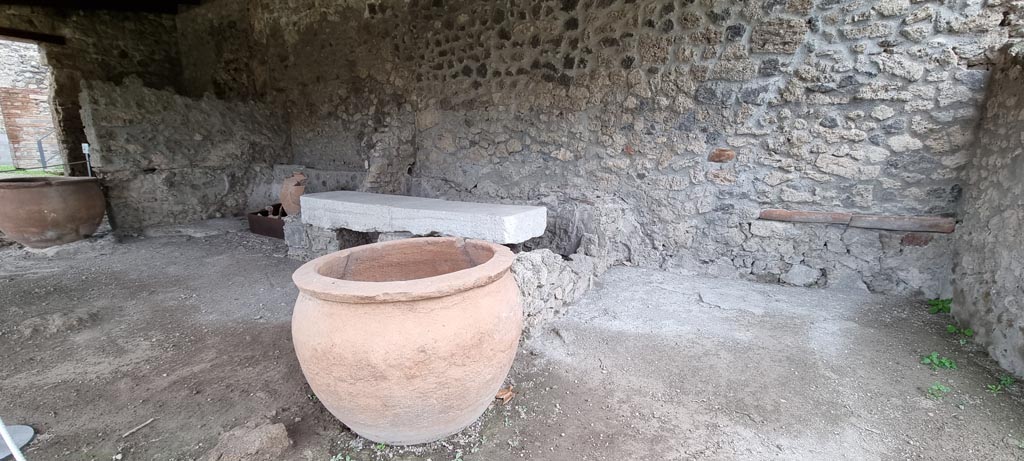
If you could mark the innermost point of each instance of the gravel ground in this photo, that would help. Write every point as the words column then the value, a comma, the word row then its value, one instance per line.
column 190, row 327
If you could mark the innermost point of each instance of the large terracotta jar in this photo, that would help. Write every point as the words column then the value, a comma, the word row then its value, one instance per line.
column 41, row 212
column 408, row 341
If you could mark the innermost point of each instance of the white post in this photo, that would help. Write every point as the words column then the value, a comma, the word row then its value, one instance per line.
column 15, row 450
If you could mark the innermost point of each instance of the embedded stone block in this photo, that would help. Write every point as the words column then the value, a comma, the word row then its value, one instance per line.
column 778, row 35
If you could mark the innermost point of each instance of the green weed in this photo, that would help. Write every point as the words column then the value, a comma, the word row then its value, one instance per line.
column 939, row 306
column 963, row 333
column 937, row 362
column 1005, row 382
column 953, row 329
column 937, row 391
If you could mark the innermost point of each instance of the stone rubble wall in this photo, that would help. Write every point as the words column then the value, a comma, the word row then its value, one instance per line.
column 548, row 283
column 166, row 159
column 21, row 66
column 268, row 189
column 989, row 292
column 654, row 130
column 828, row 105
column 307, row 242
column 658, row 129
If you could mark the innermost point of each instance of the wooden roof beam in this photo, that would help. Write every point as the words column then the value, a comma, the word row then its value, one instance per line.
column 147, row 6
column 30, row 36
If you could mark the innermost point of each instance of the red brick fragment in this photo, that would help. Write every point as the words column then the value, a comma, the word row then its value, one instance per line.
column 722, row 155
column 916, row 239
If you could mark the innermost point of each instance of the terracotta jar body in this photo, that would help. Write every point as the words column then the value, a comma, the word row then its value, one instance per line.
column 291, row 191
column 41, row 212
column 408, row 341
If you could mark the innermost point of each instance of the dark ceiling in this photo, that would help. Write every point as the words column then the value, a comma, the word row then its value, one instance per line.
column 144, row 6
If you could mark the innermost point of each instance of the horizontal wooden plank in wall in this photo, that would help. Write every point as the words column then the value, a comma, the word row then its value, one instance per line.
column 938, row 224
column 822, row 217
column 141, row 6
column 30, row 36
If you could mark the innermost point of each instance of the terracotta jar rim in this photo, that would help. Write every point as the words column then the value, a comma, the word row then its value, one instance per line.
column 42, row 181
column 311, row 281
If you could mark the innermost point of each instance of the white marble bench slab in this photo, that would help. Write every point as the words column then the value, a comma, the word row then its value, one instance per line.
column 365, row 212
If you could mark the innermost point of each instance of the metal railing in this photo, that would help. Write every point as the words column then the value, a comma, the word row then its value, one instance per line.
column 42, row 150
column 44, row 162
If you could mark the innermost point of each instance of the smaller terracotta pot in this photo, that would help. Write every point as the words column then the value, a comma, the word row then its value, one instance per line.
column 291, row 190
column 41, row 212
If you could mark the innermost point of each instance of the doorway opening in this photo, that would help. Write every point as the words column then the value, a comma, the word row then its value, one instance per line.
column 29, row 141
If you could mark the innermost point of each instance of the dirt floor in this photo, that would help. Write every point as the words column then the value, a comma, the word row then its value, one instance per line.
column 191, row 327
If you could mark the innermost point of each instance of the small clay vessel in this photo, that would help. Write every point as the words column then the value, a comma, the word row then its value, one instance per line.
column 293, row 188
column 408, row 341
column 41, row 212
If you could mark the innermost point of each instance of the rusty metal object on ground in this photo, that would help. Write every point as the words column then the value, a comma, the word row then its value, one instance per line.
column 268, row 221
column 40, row 212
column 408, row 341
